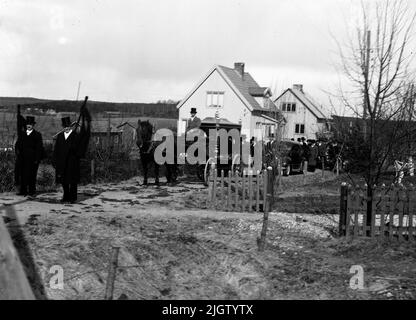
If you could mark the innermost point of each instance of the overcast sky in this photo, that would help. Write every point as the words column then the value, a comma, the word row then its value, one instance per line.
column 147, row 50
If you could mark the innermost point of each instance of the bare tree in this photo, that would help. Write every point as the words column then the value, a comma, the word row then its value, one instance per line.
column 377, row 62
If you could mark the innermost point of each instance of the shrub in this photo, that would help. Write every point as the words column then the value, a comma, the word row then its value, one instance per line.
column 7, row 160
column 46, row 178
column 110, row 165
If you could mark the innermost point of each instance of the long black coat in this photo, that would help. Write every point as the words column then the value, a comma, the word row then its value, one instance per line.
column 192, row 124
column 29, row 152
column 66, row 158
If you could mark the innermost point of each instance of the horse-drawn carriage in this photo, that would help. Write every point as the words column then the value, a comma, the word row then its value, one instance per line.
column 215, row 131
column 215, row 158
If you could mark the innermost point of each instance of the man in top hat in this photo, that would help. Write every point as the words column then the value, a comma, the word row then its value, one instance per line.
column 66, row 160
column 193, row 121
column 29, row 151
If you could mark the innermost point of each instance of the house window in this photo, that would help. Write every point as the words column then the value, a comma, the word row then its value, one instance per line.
column 288, row 107
column 270, row 131
column 299, row 128
column 215, row 99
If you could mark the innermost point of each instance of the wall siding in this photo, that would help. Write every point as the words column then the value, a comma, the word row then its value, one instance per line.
column 302, row 115
column 233, row 109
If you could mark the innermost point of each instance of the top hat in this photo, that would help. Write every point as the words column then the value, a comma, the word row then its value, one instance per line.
column 66, row 122
column 193, row 110
column 30, row 120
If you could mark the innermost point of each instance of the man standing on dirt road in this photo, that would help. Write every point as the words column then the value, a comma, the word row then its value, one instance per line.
column 29, row 152
column 66, row 161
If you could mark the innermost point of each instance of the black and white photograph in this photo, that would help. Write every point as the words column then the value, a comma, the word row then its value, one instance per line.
column 207, row 154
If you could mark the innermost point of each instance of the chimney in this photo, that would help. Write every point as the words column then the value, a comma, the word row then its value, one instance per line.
column 239, row 67
column 298, row 87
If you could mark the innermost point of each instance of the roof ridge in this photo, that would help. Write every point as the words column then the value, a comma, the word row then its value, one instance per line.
column 311, row 101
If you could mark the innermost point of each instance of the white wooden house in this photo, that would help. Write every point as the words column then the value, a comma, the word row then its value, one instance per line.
column 304, row 117
column 235, row 96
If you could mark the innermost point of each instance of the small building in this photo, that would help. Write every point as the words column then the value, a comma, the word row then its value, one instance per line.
column 304, row 117
column 101, row 131
column 233, row 94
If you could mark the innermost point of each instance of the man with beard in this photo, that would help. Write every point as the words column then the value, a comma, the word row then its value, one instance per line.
column 29, row 153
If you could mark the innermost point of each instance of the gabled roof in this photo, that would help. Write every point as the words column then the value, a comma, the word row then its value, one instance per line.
column 242, row 86
column 126, row 124
column 307, row 101
column 270, row 118
column 101, row 126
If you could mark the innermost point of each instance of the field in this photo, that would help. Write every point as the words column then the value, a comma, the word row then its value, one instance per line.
column 172, row 247
column 50, row 125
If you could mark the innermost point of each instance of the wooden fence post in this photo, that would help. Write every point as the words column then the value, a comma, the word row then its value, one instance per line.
column 13, row 281
column 93, row 171
column 383, row 204
column 279, row 177
column 229, row 191
column 270, row 187
column 209, row 198
column 214, row 190
column 374, row 211
column 236, row 182
column 258, row 191
column 243, row 199
column 250, row 192
column 222, row 190
column 411, row 207
column 268, row 181
column 304, row 171
column 343, row 210
column 112, row 270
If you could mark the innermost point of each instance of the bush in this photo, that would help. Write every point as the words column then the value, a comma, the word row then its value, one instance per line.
column 110, row 165
column 7, row 160
column 46, row 178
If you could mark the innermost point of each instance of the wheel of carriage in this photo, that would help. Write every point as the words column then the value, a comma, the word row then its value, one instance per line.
column 207, row 170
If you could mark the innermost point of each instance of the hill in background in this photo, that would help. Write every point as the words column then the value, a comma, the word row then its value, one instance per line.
column 43, row 106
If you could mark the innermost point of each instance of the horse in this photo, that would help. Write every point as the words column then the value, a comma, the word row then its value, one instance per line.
column 147, row 146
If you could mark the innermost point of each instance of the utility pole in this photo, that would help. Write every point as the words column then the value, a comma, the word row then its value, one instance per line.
column 79, row 87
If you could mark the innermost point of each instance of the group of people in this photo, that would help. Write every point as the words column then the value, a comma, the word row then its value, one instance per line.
column 30, row 151
column 316, row 152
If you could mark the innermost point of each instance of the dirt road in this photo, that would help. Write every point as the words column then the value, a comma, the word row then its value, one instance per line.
column 173, row 248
